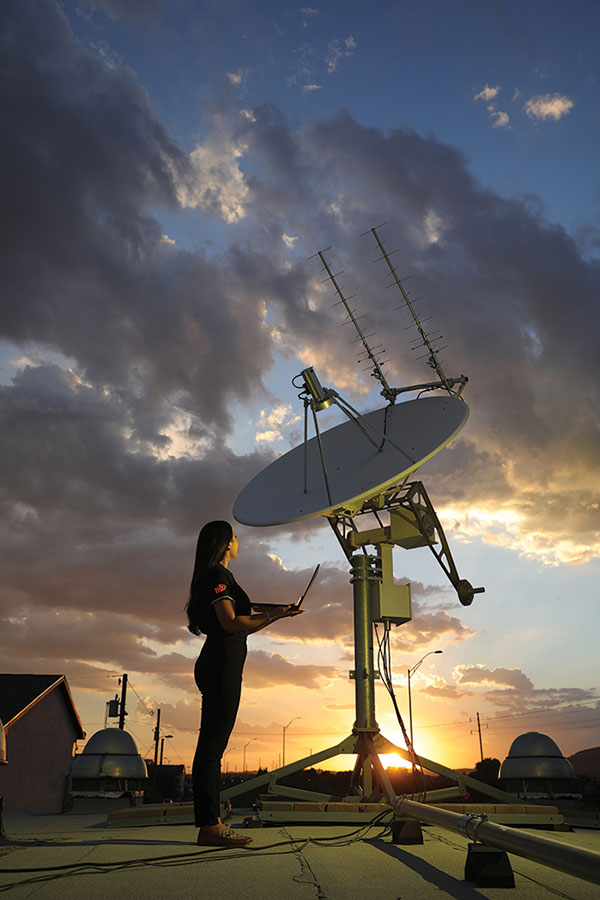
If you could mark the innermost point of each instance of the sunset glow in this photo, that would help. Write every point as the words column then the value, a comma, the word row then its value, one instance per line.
column 392, row 760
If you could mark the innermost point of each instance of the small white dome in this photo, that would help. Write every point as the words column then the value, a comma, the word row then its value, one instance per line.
column 533, row 743
column 110, row 753
column 535, row 756
column 111, row 740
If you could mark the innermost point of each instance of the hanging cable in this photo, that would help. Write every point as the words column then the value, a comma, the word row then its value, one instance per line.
column 384, row 663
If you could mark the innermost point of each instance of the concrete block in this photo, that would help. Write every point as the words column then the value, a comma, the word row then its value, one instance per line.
column 488, row 867
column 406, row 831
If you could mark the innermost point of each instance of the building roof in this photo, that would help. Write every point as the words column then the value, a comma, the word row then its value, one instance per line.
column 20, row 693
column 298, row 862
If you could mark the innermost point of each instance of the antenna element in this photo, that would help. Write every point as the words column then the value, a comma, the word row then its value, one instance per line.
column 432, row 360
column 377, row 372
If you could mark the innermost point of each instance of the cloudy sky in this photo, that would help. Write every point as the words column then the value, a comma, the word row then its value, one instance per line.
column 168, row 169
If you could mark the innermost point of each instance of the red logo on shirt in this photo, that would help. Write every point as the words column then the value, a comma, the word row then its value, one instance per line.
column 220, row 588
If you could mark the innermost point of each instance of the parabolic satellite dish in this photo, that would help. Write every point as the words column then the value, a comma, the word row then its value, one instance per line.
column 408, row 433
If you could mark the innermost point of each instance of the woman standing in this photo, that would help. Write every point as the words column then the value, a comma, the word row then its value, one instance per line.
column 221, row 609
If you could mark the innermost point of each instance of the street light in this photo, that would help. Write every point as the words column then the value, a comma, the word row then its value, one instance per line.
column 411, row 672
column 229, row 749
column 162, row 746
column 246, row 745
column 285, row 727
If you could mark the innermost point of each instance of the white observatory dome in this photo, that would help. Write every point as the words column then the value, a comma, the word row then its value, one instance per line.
column 535, row 767
column 109, row 765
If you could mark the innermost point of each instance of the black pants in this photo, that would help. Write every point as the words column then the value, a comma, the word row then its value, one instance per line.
column 218, row 676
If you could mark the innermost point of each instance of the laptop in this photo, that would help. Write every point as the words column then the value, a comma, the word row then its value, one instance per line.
column 300, row 601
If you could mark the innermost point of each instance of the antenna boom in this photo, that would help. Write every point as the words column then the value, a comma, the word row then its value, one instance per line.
column 432, row 354
column 378, row 372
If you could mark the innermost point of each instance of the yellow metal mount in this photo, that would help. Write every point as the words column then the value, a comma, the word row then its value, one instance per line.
column 413, row 522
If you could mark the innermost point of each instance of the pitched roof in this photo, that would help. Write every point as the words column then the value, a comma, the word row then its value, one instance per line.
column 19, row 693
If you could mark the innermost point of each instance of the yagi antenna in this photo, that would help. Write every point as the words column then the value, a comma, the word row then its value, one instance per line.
column 374, row 354
column 378, row 373
column 432, row 357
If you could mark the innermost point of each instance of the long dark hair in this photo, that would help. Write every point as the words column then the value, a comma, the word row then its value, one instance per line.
column 210, row 550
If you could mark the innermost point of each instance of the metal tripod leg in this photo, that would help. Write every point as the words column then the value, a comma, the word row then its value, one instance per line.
column 463, row 782
column 269, row 781
column 364, row 744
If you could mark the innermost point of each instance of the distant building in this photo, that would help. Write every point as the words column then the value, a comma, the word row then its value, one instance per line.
column 165, row 782
column 536, row 769
column 42, row 728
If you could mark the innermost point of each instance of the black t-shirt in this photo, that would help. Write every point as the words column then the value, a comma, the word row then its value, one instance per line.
column 216, row 584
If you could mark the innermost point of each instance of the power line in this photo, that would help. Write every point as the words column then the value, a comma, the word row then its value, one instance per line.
column 149, row 711
column 566, row 724
column 461, row 723
column 531, row 713
column 298, row 734
column 548, row 709
column 565, row 727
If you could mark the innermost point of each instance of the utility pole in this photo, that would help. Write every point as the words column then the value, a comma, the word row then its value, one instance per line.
column 156, row 736
column 480, row 741
column 479, row 732
column 122, row 712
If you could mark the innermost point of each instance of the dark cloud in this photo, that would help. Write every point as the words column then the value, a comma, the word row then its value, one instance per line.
column 515, row 700
column 512, row 678
column 88, row 164
column 512, row 293
column 272, row 669
column 426, row 627
column 83, row 677
column 89, row 639
column 183, row 715
column 513, row 690
column 85, row 508
column 444, row 692
column 262, row 670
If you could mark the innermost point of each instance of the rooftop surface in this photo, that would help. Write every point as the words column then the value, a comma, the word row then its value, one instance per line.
column 75, row 856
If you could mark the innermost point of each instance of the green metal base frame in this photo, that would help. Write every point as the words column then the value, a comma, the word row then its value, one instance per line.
column 369, row 780
column 370, row 790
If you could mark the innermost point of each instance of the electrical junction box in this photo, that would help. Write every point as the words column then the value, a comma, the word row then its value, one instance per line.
column 389, row 602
